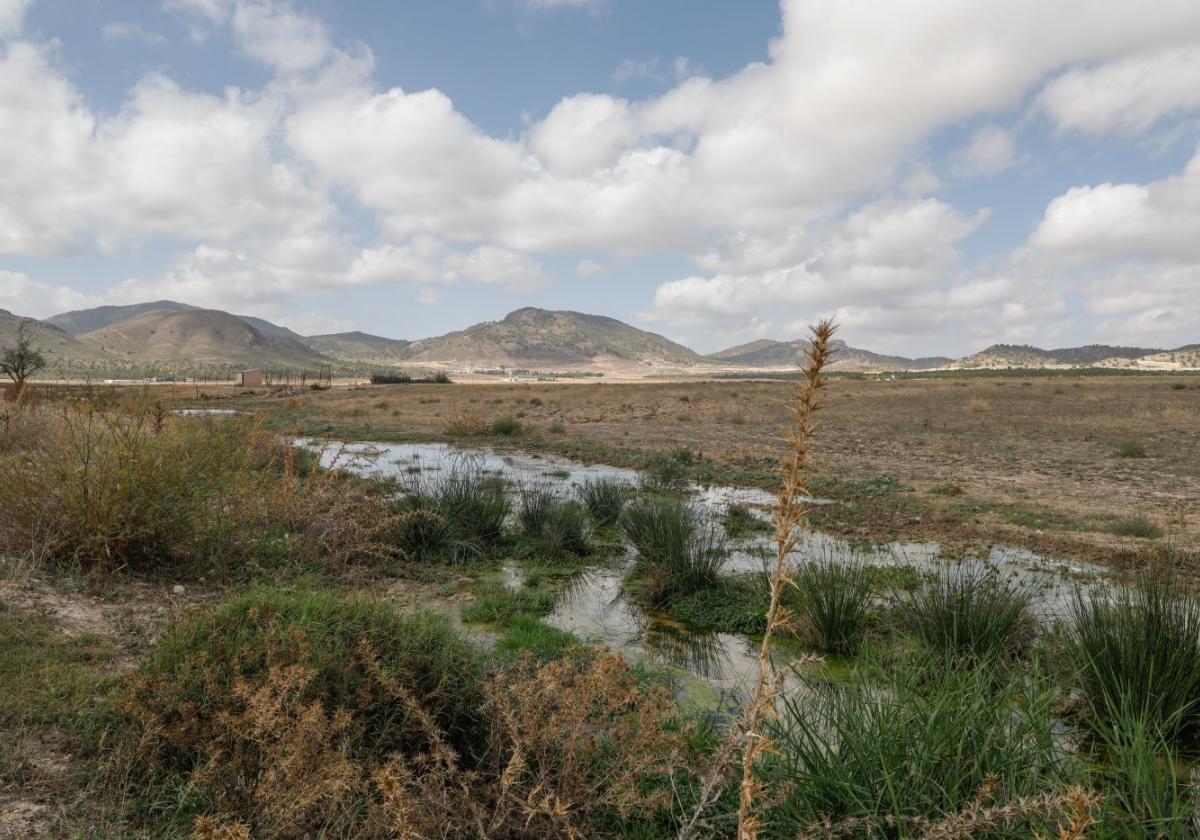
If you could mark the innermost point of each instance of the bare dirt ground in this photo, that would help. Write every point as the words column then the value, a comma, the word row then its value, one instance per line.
column 1051, row 462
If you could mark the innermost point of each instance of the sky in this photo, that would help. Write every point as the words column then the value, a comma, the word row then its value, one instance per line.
column 934, row 175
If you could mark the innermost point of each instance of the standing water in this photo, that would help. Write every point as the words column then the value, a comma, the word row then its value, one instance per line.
column 594, row 606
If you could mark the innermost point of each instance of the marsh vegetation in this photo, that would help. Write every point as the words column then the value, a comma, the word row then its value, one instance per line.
column 213, row 633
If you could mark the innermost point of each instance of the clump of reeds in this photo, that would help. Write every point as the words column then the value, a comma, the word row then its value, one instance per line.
column 604, row 499
column 834, row 597
column 457, row 516
column 969, row 614
column 679, row 550
column 897, row 751
column 1137, row 652
column 555, row 525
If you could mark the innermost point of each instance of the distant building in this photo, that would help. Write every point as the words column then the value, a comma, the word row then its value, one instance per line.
column 255, row 378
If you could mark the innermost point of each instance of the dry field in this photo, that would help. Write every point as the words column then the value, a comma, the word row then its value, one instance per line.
column 1086, row 466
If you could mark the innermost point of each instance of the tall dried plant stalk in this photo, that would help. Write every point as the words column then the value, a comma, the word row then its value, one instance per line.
column 790, row 511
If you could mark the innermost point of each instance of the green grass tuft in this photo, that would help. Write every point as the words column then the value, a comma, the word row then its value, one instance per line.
column 506, row 427
column 527, row 634
column 498, row 604
column 1136, row 526
column 604, row 499
column 1131, row 449
column 834, row 596
column 555, row 526
column 967, row 613
column 895, row 749
column 679, row 551
column 458, row 516
column 1137, row 653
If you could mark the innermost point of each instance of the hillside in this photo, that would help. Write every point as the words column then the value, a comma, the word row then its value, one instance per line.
column 197, row 336
column 765, row 353
column 1026, row 356
column 56, row 344
column 81, row 321
column 360, row 347
column 179, row 335
column 1186, row 357
column 533, row 337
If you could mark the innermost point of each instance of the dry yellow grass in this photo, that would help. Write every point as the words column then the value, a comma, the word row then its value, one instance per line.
column 1045, row 446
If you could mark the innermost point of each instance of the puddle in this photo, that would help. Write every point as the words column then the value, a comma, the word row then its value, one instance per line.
column 206, row 412
column 593, row 605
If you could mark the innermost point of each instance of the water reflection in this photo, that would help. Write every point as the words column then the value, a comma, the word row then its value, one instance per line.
column 593, row 605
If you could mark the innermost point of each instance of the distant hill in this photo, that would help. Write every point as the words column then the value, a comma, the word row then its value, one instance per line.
column 198, row 336
column 765, row 353
column 360, row 347
column 544, row 338
column 1026, row 356
column 56, row 344
column 178, row 336
column 81, row 321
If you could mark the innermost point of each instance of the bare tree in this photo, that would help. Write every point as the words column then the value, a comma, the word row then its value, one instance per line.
column 22, row 361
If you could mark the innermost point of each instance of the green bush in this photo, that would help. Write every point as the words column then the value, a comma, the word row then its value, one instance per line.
column 506, row 427
column 665, row 473
column 604, row 499
column 1136, row 526
column 1137, row 653
column 229, row 699
column 834, row 596
column 970, row 614
column 141, row 490
column 117, row 490
column 889, row 753
column 679, row 550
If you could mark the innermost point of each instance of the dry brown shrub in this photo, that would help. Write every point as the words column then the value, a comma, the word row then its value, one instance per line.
column 466, row 423
column 305, row 773
column 571, row 740
column 206, row 828
column 978, row 406
column 555, row 747
column 106, row 487
column 577, row 738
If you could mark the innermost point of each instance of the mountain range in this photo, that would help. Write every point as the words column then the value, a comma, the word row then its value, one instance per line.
column 172, row 335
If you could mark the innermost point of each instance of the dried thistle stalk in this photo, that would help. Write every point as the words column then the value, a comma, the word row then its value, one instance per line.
column 790, row 511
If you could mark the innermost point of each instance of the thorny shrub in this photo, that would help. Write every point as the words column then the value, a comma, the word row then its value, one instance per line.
column 289, row 716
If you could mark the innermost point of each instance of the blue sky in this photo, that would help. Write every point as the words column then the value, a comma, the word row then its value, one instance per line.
column 936, row 177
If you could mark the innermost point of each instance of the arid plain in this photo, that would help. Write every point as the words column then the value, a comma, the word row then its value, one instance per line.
column 1060, row 463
